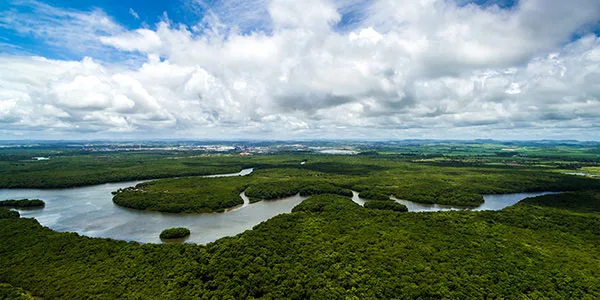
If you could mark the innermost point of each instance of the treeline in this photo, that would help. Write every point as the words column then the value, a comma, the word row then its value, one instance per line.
column 435, row 195
column 377, row 180
column 583, row 201
column 329, row 248
column 23, row 203
column 280, row 189
column 8, row 214
column 386, row 205
column 374, row 195
column 91, row 169
column 199, row 195
column 277, row 176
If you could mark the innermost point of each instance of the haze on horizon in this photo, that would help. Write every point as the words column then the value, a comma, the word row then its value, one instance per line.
column 273, row 69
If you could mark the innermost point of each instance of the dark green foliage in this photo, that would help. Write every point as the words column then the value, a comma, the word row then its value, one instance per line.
column 344, row 166
column 97, row 168
column 447, row 196
column 23, row 203
column 8, row 214
column 586, row 201
column 386, row 205
column 280, row 189
column 374, row 195
column 316, row 188
column 175, row 233
column 197, row 194
column 273, row 190
column 280, row 177
column 326, row 203
column 8, row 292
column 328, row 248
column 189, row 195
column 454, row 174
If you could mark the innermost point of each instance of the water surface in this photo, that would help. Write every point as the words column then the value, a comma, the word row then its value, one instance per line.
column 90, row 211
column 492, row 202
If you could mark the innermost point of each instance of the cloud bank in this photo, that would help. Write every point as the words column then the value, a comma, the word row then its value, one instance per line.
column 311, row 69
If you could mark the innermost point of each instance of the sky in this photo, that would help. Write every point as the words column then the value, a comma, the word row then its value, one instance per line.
column 290, row 69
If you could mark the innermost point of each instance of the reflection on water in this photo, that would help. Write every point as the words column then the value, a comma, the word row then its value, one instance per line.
column 492, row 202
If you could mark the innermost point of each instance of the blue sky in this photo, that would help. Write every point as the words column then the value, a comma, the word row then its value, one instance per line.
column 122, row 11
column 291, row 69
column 133, row 14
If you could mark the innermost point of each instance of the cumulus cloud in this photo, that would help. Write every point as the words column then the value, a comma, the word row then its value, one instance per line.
column 436, row 68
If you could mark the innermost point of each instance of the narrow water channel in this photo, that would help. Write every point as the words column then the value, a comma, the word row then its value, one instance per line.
column 492, row 202
column 90, row 211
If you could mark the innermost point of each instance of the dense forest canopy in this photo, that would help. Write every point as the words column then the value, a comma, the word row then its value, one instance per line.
column 374, row 177
column 331, row 248
column 94, row 163
column 328, row 247
column 175, row 233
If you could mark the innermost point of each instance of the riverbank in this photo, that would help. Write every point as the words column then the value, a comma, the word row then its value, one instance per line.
column 330, row 248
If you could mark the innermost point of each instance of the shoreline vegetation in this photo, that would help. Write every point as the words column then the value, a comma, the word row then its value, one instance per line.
column 386, row 205
column 97, row 165
column 174, row 233
column 8, row 214
column 330, row 247
column 23, row 203
column 375, row 178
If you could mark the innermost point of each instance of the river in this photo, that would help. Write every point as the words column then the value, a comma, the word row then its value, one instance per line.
column 492, row 202
column 90, row 211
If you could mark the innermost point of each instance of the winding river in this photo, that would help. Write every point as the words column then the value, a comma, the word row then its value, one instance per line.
column 90, row 211
column 492, row 202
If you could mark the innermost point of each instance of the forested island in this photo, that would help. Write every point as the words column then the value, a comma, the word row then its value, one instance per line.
column 175, row 233
column 23, row 203
column 376, row 178
column 331, row 248
column 389, row 205
column 327, row 247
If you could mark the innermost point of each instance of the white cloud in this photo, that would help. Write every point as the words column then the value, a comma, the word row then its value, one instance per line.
column 142, row 40
column 71, row 30
column 134, row 14
column 407, row 69
column 316, row 15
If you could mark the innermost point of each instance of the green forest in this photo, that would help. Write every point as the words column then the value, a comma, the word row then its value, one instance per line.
column 331, row 248
column 328, row 247
column 23, row 203
column 374, row 177
column 175, row 233
column 8, row 292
